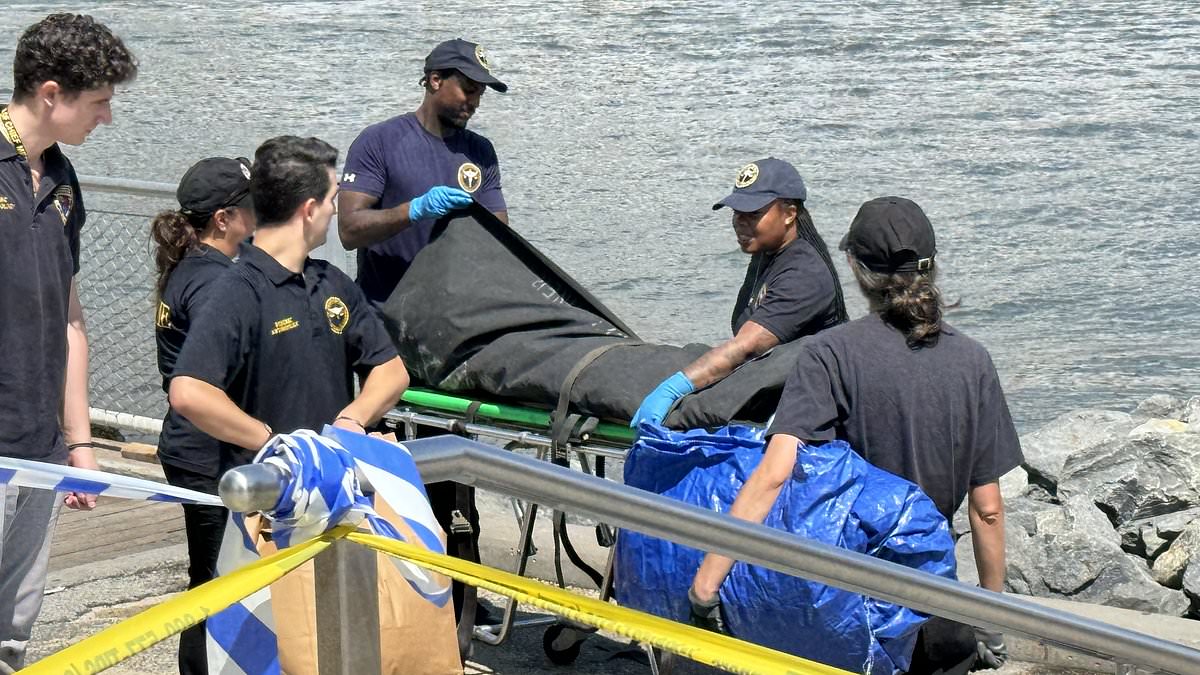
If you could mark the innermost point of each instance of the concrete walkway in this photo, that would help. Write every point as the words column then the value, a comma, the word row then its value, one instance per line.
column 124, row 557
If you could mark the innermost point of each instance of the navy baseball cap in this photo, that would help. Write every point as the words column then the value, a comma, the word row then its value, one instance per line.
column 891, row 234
column 760, row 183
column 213, row 184
column 467, row 58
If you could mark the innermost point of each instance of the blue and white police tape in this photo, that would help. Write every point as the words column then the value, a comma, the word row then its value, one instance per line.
column 30, row 474
column 323, row 492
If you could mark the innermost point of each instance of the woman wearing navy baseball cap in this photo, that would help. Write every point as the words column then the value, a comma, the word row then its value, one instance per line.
column 791, row 287
column 914, row 396
column 193, row 246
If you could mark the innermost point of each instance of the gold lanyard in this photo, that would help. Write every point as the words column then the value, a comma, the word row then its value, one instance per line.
column 10, row 131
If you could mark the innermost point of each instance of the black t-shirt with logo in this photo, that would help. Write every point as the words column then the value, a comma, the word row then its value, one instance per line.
column 181, row 443
column 39, row 256
column 790, row 293
column 284, row 346
column 936, row 416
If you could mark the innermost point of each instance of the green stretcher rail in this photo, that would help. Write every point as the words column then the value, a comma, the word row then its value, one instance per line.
column 507, row 413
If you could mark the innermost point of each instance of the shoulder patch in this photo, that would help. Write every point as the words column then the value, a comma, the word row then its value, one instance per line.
column 349, row 177
column 64, row 201
column 337, row 313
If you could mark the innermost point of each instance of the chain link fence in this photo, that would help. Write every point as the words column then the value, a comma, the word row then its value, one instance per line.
column 116, row 288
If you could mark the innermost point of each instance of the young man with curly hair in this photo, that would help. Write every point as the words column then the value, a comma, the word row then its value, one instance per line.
column 64, row 72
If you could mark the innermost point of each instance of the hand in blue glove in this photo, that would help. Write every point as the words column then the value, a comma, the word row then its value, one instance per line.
column 436, row 203
column 655, row 406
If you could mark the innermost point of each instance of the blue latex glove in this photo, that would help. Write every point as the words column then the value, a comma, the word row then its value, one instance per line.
column 655, row 406
column 436, row 203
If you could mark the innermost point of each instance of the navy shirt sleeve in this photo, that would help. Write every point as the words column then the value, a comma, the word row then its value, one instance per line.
column 996, row 446
column 489, row 194
column 221, row 334
column 75, row 223
column 367, row 339
column 812, row 402
column 794, row 296
column 366, row 164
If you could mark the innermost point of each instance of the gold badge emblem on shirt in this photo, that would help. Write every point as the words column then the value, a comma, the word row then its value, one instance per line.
column 470, row 177
column 6, row 204
column 482, row 58
column 746, row 176
column 337, row 313
column 162, row 318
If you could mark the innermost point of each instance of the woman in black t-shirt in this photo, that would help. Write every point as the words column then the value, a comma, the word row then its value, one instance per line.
column 791, row 287
column 913, row 396
column 194, row 245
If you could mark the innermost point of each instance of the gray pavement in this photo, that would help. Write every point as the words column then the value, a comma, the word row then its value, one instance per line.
column 117, row 561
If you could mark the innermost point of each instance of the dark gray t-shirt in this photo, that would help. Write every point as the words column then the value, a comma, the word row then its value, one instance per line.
column 790, row 293
column 936, row 416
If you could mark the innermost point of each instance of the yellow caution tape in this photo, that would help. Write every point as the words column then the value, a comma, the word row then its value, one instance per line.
column 137, row 633
column 699, row 645
column 117, row 643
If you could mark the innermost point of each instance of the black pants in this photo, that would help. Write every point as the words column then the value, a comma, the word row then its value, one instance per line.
column 443, row 500
column 944, row 647
column 205, row 526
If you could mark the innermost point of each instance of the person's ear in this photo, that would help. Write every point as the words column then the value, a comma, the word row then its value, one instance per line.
column 789, row 214
column 49, row 92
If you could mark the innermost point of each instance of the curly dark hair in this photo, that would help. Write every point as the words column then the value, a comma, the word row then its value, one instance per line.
column 73, row 50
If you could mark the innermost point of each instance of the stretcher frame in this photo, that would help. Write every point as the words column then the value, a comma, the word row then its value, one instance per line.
column 521, row 428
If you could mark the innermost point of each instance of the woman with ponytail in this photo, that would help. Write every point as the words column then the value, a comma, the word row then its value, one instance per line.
column 913, row 396
column 791, row 288
column 193, row 246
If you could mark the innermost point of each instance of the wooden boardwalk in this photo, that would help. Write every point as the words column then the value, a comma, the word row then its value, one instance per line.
column 115, row 528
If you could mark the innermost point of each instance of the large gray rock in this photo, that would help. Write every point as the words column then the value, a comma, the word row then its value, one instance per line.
column 1149, row 537
column 1047, row 449
column 1074, row 553
column 1137, row 477
column 1160, row 405
column 1169, row 567
column 1191, row 582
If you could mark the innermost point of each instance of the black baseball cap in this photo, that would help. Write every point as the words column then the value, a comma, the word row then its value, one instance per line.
column 467, row 58
column 891, row 234
column 760, row 183
column 213, row 184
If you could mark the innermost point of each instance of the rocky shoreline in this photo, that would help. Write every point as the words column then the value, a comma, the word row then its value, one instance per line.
column 1106, row 510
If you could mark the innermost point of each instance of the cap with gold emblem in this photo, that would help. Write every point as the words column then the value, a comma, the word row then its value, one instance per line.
column 759, row 183
column 467, row 58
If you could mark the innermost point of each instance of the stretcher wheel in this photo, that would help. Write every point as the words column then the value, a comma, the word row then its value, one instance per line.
column 562, row 644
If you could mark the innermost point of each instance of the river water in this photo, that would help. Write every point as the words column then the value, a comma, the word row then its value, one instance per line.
column 1054, row 146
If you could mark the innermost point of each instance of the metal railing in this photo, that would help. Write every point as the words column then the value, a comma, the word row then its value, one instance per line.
column 483, row 466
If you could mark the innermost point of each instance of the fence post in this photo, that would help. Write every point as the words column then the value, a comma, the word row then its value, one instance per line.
column 347, row 593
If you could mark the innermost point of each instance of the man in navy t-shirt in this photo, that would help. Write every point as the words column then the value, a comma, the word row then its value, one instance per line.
column 404, row 173
column 401, row 176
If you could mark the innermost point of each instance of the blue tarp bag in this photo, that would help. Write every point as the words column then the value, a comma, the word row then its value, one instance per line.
column 834, row 497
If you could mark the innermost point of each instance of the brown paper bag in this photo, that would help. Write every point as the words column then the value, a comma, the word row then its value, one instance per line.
column 415, row 636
